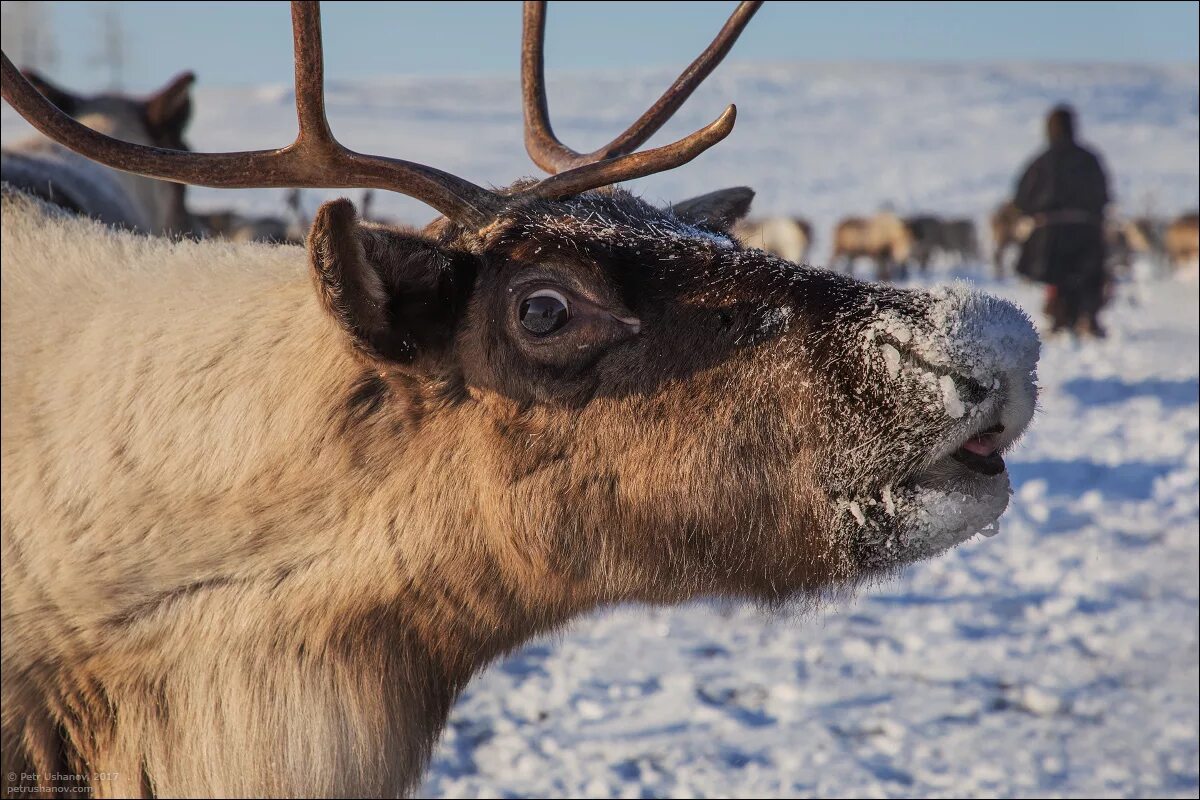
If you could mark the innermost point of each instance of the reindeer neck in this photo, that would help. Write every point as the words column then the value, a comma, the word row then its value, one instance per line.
column 331, row 519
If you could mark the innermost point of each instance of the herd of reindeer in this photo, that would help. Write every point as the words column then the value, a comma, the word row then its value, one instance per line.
column 891, row 244
column 894, row 244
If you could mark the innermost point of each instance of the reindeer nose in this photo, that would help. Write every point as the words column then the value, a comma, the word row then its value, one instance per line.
column 974, row 347
column 987, row 339
column 1020, row 401
column 978, row 343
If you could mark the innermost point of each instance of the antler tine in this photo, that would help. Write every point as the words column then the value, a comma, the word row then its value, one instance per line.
column 543, row 146
column 309, row 56
column 315, row 145
column 314, row 160
column 634, row 165
column 552, row 155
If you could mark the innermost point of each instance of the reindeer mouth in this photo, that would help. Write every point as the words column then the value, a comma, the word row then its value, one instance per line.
column 965, row 376
column 961, row 490
column 969, row 462
column 981, row 452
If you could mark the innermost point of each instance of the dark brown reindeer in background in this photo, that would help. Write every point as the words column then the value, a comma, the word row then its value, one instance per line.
column 949, row 238
column 960, row 240
column 266, row 513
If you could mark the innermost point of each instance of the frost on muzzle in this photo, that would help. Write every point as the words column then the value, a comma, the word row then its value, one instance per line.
column 960, row 377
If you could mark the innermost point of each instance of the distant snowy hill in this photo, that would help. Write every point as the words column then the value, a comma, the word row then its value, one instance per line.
column 817, row 140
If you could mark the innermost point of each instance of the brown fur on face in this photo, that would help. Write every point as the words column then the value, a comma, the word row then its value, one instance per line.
column 265, row 515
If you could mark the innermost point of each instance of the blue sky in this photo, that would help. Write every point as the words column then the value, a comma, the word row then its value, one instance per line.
column 229, row 43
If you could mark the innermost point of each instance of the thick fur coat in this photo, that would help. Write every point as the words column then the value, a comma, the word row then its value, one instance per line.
column 266, row 512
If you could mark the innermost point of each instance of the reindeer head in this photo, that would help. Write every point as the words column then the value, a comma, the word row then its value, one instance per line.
column 641, row 405
column 159, row 119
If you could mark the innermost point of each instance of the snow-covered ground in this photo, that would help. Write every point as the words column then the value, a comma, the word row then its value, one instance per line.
column 1060, row 657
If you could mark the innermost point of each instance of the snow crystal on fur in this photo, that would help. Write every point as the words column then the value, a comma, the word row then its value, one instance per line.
column 977, row 334
column 943, row 518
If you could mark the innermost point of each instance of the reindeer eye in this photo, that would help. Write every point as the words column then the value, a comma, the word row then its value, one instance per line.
column 544, row 312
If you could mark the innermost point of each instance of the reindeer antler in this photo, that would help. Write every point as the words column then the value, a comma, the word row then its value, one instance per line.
column 317, row 160
column 553, row 156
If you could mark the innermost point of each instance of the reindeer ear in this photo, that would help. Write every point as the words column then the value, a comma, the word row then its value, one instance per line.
column 718, row 210
column 397, row 295
column 65, row 101
column 169, row 109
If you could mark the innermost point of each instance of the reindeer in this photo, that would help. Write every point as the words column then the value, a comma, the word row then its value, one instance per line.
column 237, row 227
column 787, row 237
column 953, row 238
column 926, row 231
column 1144, row 238
column 960, row 240
column 366, row 203
column 883, row 238
column 52, row 172
column 1182, row 240
column 1010, row 228
column 267, row 511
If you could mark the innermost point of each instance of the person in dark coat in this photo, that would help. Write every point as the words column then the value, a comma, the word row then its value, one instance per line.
column 1064, row 191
